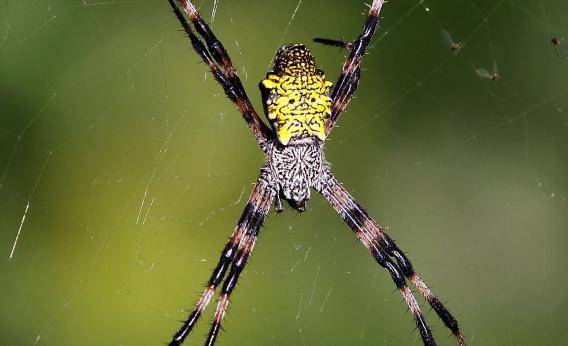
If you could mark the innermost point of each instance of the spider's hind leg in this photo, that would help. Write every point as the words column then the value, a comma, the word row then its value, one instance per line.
column 335, row 43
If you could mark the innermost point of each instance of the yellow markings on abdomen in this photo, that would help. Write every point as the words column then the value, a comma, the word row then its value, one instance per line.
column 296, row 96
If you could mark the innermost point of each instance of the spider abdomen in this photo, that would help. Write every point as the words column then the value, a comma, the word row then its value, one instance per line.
column 296, row 169
column 296, row 97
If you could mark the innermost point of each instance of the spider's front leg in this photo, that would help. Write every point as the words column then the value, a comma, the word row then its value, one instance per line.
column 385, row 252
column 234, row 255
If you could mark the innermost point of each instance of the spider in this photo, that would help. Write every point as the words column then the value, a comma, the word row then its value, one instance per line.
column 302, row 109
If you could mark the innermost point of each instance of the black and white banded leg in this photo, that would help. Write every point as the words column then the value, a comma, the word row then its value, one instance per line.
column 214, row 54
column 384, row 250
column 234, row 255
column 349, row 78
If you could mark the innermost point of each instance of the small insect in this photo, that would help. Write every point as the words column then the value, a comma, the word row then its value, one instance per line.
column 484, row 74
column 560, row 47
column 455, row 47
column 302, row 107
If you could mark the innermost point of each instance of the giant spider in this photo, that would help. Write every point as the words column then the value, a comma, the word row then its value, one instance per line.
column 302, row 110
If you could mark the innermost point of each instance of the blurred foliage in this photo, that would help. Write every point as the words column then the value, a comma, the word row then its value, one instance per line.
column 124, row 170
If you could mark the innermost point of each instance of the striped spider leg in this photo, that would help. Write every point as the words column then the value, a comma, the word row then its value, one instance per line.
column 351, row 72
column 383, row 249
column 341, row 95
column 216, row 57
column 235, row 254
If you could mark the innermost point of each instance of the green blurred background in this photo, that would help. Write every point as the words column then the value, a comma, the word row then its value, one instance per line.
column 124, row 169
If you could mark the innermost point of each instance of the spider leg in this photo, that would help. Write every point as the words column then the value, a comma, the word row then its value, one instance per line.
column 236, row 252
column 344, row 204
column 256, row 219
column 334, row 43
column 347, row 82
column 227, row 257
column 382, row 248
column 404, row 263
column 216, row 57
column 230, row 283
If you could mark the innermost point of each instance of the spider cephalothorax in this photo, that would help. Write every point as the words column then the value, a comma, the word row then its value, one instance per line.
column 296, row 96
column 302, row 111
column 296, row 169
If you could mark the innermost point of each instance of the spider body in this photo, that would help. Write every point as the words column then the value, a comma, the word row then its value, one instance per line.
column 296, row 102
column 296, row 96
column 302, row 109
column 296, row 169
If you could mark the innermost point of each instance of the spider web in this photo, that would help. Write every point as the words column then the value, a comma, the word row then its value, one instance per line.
column 123, row 169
